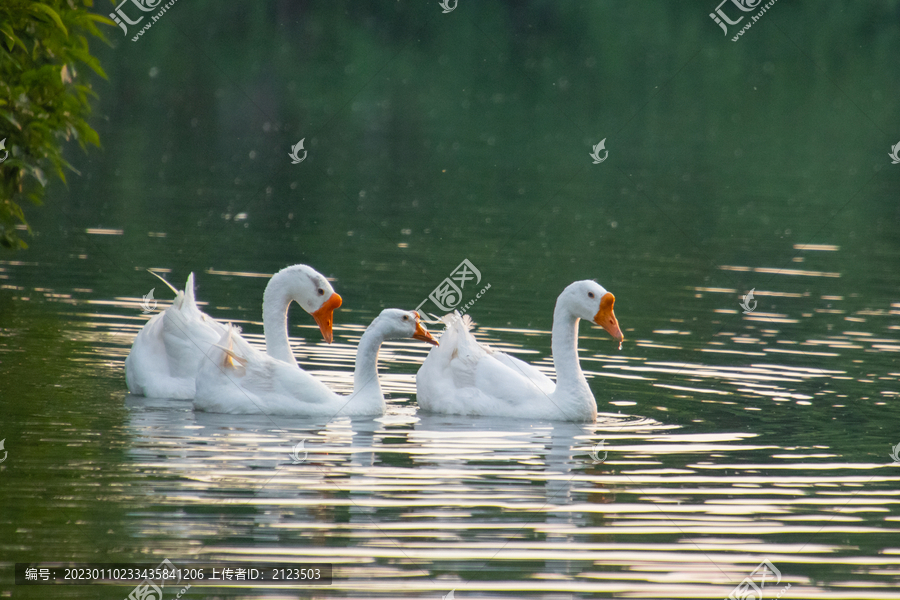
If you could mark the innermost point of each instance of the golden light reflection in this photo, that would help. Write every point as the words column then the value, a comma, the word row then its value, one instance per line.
column 406, row 498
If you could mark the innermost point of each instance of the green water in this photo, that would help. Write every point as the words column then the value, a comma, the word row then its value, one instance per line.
column 432, row 138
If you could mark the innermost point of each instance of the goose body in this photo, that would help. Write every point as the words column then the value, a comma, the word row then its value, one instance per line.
column 464, row 377
column 167, row 351
column 166, row 354
column 239, row 379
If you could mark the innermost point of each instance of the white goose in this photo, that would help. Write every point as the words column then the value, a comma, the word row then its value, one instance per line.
column 239, row 379
column 166, row 353
column 463, row 377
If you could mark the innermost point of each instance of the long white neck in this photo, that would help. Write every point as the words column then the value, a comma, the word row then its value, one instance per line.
column 571, row 385
column 366, row 387
column 276, row 302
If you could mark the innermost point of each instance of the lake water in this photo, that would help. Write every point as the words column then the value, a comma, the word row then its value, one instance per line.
column 728, row 438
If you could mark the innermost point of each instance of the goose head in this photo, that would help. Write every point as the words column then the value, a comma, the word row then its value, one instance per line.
column 398, row 324
column 590, row 301
column 308, row 288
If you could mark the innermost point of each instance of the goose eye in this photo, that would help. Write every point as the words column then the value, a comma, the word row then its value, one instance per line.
column 590, row 294
column 406, row 317
column 321, row 292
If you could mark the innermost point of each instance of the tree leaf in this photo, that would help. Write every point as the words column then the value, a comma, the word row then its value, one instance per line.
column 37, row 6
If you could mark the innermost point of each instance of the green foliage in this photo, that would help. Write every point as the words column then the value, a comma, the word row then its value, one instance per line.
column 43, row 98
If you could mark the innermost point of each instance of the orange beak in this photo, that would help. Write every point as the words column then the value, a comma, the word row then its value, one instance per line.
column 422, row 334
column 325, row 316
column 606, row 318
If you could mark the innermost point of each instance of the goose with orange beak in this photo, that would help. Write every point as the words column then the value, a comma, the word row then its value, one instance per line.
column 239, row 379
column 465, row 377
column 169, row 350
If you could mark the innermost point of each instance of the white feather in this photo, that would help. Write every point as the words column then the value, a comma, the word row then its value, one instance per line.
column 462, row 376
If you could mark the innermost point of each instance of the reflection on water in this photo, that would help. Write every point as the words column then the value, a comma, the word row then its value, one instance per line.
column 412, row 503
column 714, row 461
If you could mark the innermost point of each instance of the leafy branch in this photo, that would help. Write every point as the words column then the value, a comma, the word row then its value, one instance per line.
column 44, row 100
